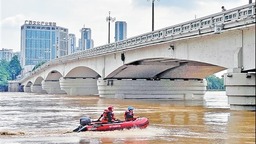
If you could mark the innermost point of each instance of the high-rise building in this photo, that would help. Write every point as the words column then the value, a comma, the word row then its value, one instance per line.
column 79, row 45
column 86, row 41
column 71, row 43
column 120, row 30
column 42, row 41
column 6, row 54
column 89, row 43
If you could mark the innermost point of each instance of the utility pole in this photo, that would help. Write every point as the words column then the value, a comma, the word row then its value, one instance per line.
column 109, row 19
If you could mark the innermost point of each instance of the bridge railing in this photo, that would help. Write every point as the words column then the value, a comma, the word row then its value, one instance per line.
column 215, row 23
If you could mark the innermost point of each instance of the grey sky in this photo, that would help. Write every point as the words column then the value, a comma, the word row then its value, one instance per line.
column 74, row 14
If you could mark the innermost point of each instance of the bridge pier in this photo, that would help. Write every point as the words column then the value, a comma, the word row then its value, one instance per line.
column 79, row 86
column 52, row 87
column 37, row 89
column 240, row 89
column 27, row 89
column 152, row 89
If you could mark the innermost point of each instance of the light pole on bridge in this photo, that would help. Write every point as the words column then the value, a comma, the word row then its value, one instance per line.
column 153, row 6
column 109, row 19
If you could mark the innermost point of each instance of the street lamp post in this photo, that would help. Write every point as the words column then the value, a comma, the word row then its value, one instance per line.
column 153, row 5
column 109, row 19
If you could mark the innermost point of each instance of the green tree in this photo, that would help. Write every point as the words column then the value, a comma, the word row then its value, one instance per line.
column 215, row 83
column 14, row 67
column 38, row 65
column 9, row 71
column 4, row 75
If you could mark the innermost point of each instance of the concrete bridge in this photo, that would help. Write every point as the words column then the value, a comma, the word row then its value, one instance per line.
column 169, row 63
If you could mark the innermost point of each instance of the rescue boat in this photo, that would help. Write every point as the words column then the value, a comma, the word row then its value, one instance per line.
column 87, row 125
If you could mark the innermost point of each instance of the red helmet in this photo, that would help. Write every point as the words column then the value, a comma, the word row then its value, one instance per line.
column 110, row 108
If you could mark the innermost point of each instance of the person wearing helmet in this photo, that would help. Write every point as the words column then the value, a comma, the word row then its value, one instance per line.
column 110, row 108
column 108, row 115
column 128, row 115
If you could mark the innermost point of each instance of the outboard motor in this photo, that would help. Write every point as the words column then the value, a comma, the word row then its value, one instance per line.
column 85, row 121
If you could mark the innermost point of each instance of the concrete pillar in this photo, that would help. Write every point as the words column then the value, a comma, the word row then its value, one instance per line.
column 79, row 86
column 27, row 89
column 37, row 89
column 13, row 86
column 52, row 87
column 240, row 89
column 148, row 89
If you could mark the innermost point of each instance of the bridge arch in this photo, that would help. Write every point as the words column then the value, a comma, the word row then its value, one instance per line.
column 38, row 80
column 80, row 80
column 51, row 83
column 82, row 72
column 53, row 76
column 37, row 86
column 27, row 87
column 164, row 68
column 28, row 84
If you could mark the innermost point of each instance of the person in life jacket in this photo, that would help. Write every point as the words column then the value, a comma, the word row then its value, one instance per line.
column 108, row 115
column 128, row 115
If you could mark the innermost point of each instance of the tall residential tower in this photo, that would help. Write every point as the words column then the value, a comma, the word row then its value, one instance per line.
column 71, row 43
column 86, row 41
column 120, row 30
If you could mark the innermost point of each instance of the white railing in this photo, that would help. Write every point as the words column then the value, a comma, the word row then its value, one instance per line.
column 215, row 23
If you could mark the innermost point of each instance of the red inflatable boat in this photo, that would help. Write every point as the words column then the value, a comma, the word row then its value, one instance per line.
column 118, row 125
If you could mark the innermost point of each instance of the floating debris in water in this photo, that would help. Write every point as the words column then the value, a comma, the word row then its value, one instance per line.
column 11, row 133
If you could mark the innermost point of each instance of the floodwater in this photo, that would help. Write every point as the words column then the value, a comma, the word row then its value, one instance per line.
column 27, row 118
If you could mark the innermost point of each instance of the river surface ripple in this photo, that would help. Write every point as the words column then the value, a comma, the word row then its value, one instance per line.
column 27, row 118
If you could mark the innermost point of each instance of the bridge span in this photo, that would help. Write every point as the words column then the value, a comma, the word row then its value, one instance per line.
column 169, row 63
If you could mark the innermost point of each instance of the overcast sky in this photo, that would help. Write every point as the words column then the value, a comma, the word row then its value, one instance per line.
column 74, row 14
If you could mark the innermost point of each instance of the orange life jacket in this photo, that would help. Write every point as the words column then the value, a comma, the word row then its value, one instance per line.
column 108, row 116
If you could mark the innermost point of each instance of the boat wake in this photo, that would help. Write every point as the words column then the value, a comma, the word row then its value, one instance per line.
column 136, row 133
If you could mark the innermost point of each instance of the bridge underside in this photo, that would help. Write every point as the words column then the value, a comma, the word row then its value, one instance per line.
column 164, row 69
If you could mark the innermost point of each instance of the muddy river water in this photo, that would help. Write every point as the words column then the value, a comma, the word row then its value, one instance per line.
column 27, row 118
